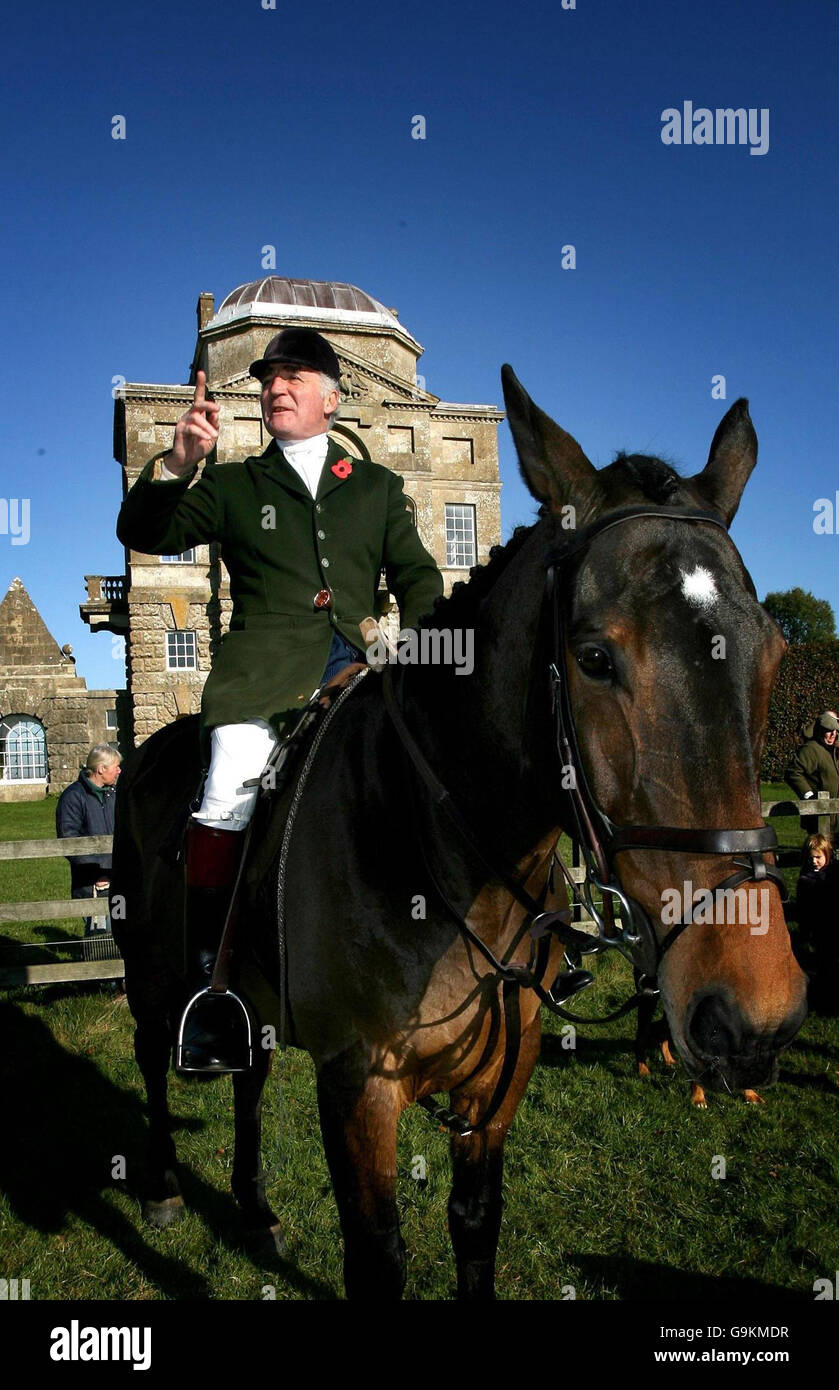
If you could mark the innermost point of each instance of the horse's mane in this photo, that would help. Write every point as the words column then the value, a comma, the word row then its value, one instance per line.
column 459, row 609
column 656, row 479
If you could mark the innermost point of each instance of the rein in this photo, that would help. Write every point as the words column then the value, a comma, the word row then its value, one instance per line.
column 599, row 839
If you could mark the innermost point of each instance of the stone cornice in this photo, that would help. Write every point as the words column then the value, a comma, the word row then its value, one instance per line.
column 468, row 412
column 287, row 315
column 435, row 481
column 151, row 391
column 477, row 412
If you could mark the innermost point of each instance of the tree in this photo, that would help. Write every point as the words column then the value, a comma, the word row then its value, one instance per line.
column 801, row 616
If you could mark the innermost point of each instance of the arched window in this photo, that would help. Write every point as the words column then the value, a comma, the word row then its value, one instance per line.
column 23, row 749
column 411, row 508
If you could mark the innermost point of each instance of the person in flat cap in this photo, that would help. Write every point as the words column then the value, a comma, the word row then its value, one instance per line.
column 813, row 767
column 304, row 531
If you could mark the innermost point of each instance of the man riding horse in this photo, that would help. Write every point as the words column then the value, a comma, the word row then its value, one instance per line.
column 304, row 532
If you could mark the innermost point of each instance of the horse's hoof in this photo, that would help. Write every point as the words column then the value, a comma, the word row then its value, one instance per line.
column 165, row 1213
column 266, row 1243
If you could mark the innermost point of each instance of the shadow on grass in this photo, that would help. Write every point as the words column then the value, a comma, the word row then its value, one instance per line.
column 602, row 1050
column 806, row 1045
column 41, row 948
column 634, row 1280
column 805, row 1082
column 65, row 1123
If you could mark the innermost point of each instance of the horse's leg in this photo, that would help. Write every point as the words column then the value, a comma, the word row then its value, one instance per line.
column 697, row 1096
column 475, row 1202
column 152, row 1049
column 643, row 1030
column 248, row 1181
column 358, row 1115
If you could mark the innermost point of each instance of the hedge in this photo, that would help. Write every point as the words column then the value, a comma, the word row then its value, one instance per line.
column 808, row 682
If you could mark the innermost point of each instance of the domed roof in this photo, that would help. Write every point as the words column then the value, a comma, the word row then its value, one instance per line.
column 324, row 301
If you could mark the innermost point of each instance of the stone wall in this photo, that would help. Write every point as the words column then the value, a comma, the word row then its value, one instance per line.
column 73, row 720
column 38, row 681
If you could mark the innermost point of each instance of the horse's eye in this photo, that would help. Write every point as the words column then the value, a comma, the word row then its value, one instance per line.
column 595, row 662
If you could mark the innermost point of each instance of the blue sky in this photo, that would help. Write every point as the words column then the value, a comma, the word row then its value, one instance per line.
column 292, row 127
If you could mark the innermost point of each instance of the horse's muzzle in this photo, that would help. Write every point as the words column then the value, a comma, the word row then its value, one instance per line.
column 728, row 1051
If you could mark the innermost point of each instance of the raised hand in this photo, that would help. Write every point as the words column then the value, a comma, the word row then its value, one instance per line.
column 196, row 432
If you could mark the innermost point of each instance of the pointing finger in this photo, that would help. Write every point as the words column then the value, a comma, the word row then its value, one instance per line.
column 200, row 388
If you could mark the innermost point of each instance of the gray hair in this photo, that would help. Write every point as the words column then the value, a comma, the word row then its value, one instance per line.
column 102, row 755
column 328, row 383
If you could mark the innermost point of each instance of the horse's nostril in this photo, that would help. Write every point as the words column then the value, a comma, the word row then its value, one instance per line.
column 713, row 1030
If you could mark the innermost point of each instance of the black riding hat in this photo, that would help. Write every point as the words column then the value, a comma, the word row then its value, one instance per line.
column 301, row 347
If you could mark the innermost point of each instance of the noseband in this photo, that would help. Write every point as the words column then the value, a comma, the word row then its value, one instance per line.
column 600, row 840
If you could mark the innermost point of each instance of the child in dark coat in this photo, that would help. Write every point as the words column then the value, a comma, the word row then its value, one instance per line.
column 817, row 902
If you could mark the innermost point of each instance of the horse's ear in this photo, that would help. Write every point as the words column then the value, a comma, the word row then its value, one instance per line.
column 552, row 463
column 733, row 456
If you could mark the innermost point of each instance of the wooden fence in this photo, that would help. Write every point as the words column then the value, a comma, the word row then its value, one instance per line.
column 24, row 973
column 113, row 969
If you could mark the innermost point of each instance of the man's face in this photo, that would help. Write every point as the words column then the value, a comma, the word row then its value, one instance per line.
column 293, row 404
column 829, row 737
column 110, row 774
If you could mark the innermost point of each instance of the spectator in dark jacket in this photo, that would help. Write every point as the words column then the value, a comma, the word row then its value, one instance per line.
column 87, row 808
column 813, row 767
column 817, row 911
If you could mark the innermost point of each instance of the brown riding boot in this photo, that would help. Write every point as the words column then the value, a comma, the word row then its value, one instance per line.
column 212, row 1029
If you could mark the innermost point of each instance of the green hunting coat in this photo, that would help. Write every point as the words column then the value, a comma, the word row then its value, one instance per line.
column 813, row 768
column 281, row 546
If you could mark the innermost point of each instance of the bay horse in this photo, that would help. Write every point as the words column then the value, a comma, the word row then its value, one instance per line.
column 598, row 704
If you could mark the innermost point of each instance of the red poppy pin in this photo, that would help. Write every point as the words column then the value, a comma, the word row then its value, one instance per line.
column 342, row 469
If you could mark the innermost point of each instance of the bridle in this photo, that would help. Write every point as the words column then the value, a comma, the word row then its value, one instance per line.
column 600, row 841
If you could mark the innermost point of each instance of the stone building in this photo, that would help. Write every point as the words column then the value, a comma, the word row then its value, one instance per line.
column 174, row 609
column 48, row 717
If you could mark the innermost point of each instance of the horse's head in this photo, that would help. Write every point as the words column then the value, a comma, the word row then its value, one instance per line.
column 670, row 661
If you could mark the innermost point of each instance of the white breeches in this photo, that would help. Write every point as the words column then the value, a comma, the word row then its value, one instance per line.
column 239, row 753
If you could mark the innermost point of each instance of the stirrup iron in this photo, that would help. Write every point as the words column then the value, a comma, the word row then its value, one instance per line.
column 230, row 1024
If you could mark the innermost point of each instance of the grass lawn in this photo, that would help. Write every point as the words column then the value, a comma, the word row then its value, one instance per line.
column 610, row 1185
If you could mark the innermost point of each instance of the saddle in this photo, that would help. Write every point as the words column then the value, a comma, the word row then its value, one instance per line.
column 276, row 773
